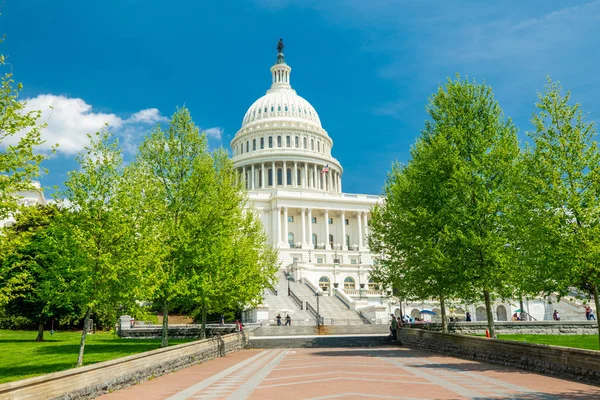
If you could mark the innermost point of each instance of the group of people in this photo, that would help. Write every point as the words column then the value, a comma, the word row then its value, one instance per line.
column 288, row 320
column 395, row 325
column 589, row 313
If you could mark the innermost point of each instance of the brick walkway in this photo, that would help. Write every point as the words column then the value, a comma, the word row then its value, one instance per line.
column 376, row 373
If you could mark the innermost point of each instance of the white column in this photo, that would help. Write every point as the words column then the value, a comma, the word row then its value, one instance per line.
column 295, row 178
column 340, row 182
column 343, row 216
column 244, row 177
column 365, row 227
column 262, row 174
column 274, row 174
column 359, row 218
column 309, row 220
column 315, row 179
column 327, row 230
column 305, row 183
column 322, row 179
column 284, row 175
column 303, row 218
column 330, row 179
column 252, row 180
column 285, row 225
column 278, row 225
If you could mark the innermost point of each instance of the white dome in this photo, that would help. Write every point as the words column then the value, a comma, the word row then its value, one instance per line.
column 281, row 104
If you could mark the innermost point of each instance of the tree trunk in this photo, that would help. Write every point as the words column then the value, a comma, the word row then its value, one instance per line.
column 523, row 313
column 40, row 335
column 490, row 314
column 203, row 330
column 84, row 332
column 444, row 320
column 597, row 301
column 165, row 325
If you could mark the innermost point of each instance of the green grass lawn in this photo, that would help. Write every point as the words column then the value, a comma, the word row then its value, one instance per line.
column 589, row 342
column 21, row 357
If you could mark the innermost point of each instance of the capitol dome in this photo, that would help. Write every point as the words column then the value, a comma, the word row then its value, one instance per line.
column 284, row 104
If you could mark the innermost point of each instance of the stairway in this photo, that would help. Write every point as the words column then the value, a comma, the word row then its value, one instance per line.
column 283, row 304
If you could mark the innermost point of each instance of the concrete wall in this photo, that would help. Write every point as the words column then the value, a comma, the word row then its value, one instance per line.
column 294, row 342
column 175, row 332
column 93, row 380
column 521, row 327
column 324, row 330
column 580, row 365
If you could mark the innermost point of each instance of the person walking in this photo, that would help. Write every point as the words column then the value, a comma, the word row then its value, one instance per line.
column 468, row 317
column 394, row 328
column 278, row 319
column 288, row 320
column 589, row 313
column 556, row 316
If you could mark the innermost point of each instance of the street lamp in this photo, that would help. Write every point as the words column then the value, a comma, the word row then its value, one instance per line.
column 318, row 312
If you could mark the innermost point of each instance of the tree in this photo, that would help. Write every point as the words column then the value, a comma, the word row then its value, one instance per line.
column 26, row 257
column 559, row 197
column 99, row 237
column 20, row 134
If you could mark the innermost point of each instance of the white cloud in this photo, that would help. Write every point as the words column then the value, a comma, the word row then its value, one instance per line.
column 214, row 132
column 69, row 120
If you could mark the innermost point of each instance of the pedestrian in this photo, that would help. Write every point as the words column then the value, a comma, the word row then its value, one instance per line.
column 394, row 328
column 591, row 314
column 515, row 317
column 556, row 316
column 222, row 319
column 278, row 318
column 288, row 320
column 238, row 325
column 468, row 317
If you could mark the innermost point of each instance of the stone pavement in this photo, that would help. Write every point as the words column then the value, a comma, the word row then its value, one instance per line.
column 357, row 373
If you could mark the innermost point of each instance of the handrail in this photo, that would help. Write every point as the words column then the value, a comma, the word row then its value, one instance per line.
column 365, row 319
column 295, row 298
column 315, row 289
column 342, row 297
column 273, row 290
column 311, row 309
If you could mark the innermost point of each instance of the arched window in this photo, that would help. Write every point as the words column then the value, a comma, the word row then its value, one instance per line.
column 324, row 283
column 260, row 181
column 279, row 176
column 278, row 141
column 262, row 143
column 304, row 143
column 272, row 109
column 331, row 240
column 270, row 142
column 286, row 107
column 347, row 241
column 288, row 176
column 349, row 283
column 319, row 147
column 298, row 177
column 312, row 144
column 373, row 285
column 279, row 108
column 270, row 177
column 291, row 239
column 247, row 146
column 253, row 144
column 287, row 141
column 297, row 141
column 242, row 148
column 314, row 240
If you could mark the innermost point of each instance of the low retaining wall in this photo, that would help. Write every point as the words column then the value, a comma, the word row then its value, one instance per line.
column 175, row 332
column 518, row 327
column 581, row 365
column 93, row 380
column 323, row 330
column 294, row 342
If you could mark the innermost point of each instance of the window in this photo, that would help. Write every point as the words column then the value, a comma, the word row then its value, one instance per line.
column 312, row 144
column 319, row 147
column 314, row 239
column 297, row 141
column 347, row 221
column 288, row 141
column 330, row 221
column 278, row 141
column 295, row 259
column 272, row 108
column 353, row 261
column 262, row 143
column 270, row 142
column 279, row 176
column 324, row 283
column 279, row 108
column 253, row 144
column 286, row 107
column 347, row 241
column 331, row 240
column 349, row 283
column 314, row 220
column 247, row 146
column 304, row 142
column 288, row 176
column 291, row 239
column 298, row 177
column 373, row 285
column 260, row 181
column 290, row 218
column 319, row 260
column 242, row 148
column 270, row 177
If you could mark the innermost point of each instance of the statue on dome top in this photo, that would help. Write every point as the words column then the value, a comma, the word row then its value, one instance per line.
column 280, row 46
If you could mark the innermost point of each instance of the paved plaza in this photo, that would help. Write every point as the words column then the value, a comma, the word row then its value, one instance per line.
column 357, row 373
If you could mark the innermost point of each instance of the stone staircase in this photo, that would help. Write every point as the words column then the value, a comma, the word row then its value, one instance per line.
column 283, row 304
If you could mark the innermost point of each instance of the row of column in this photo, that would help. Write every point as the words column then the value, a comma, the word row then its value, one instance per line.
column 306, row 218
column 311, row 176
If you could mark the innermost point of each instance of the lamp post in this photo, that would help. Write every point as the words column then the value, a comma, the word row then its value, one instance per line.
column 318, row 312
column 359, row 258
column 309, row 260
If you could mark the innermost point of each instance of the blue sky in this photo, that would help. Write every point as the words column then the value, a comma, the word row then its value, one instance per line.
column 368, row 67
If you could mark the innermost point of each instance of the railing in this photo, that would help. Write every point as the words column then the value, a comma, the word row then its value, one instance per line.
column 296, row 245
column 334, row 321
column 311, row 309
column 273, row 290
column 357, row 292
column 296, row 299
column 320, row 246
column 312, row 287
column 340, row 295
column 365, row 319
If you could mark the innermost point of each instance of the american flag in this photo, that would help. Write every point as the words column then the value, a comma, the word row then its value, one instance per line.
column 325, row 169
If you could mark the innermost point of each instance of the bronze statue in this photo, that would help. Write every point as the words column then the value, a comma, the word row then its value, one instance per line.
column 280, row 46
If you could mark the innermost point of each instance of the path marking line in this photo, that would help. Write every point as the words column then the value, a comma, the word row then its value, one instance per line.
column 190, row 391
column 342, row 379
column 370, row 396
column 251, row 384
column 341, row 372
column 382, row 365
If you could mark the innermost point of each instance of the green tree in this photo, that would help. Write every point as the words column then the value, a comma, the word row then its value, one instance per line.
column 559, row 197
column 26, row 287
column 99, row 237
column 20, row 134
